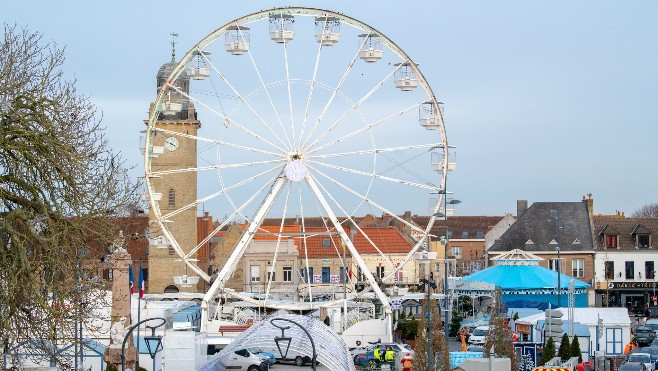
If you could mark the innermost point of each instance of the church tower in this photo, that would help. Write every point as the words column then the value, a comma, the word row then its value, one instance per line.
column 178, row 189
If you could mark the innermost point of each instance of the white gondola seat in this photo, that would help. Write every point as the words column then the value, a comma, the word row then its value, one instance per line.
column 282, row 36
column 430, row 123
column 237, row 47
column 327, row 38
column 407, row 83
column 371, row 55
column 198, row 73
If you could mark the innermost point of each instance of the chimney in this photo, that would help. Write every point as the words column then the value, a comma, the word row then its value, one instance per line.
column 521, row 207
column 590, row 204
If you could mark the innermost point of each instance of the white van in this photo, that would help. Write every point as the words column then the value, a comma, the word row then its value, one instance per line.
column 479, row 335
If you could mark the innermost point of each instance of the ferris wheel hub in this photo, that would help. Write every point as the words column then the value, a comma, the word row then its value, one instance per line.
column 295, row 170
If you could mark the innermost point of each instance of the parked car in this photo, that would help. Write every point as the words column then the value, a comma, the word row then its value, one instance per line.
column 475, row 348
column 644, row 335
column 653, row 351
column 265, row 356
column 652, row 324
column 644, row 358
column 243, row 360
column 632, row 366
column 292, row 356
column 401, row 350
column 479, row 335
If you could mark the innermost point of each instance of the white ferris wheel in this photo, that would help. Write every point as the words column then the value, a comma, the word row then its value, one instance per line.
column 307, row 114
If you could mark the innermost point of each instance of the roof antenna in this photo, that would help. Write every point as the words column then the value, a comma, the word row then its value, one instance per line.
column 173, row 46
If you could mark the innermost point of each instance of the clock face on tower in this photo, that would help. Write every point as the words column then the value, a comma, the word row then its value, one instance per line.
column 171, row 144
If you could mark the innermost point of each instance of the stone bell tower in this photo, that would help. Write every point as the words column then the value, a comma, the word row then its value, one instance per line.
column 177, row 189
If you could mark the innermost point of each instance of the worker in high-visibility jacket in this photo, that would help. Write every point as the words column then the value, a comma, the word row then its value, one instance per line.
column 376, row 354
column 389, row 356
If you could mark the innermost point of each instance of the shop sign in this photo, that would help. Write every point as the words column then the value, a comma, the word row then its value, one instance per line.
column 631, row 285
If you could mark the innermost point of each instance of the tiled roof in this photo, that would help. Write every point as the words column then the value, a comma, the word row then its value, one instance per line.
column 457, row 225
column 203, row 229
column 624, row 227
column 538, row 225
column 388, row 240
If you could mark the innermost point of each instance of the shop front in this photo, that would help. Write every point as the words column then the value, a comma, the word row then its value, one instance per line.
column 640, row 298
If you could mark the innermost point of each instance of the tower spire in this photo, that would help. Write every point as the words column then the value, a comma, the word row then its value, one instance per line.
column 173, row 46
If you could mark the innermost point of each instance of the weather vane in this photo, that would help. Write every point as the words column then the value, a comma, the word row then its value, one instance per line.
column 173, row 46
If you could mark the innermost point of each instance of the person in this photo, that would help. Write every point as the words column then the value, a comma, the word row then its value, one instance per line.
column 327, row 321
column 407, row 362
column 515, row 337
column 389, row 355
column 376, row 354
column 630, row 346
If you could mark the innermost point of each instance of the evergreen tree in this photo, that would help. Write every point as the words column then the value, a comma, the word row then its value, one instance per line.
column 500, row 336
column 455, row 322
column 575, row 349
column 549, row 352
column 565, row 348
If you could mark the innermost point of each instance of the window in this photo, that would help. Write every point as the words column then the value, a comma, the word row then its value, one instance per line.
column 271, row 273
column 380, row 272
column 642, row 240
column 107, row 274
column 302, row 274
column 172, row 197
column 326, row 274
column 287, row 274
column 630, row 270
column 613, row 341
column 310, row 274
column 578, row 268
column 609, row 270
column 553, row 265
column 649, row 270
column 399, row 276
column 611, row 241
column 480, row 234
column 254, row 273
column 465, row 234
column 457, row 252
column 449, row 234
column 145, row 272
column 359, row 273
column 326, row 242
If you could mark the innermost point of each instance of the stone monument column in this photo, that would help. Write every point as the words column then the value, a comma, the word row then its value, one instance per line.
column 121, row 261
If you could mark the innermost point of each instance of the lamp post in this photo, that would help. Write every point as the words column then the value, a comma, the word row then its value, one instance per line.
column 153, row 343
column 284, row 338
column 444, row 241
column 555, row 242
column 426, row 257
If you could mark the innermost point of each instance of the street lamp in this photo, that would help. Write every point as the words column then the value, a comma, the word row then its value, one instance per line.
column 286, row 340
column 153, row 343
column 557, row 248
column 426, row 257
column 444, row 241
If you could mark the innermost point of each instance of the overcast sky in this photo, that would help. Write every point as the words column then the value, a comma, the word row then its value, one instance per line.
column 544, row 100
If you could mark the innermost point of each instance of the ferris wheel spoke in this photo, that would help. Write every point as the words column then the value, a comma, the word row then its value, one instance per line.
column 368, row 200
column 218, row 142
column 278, row 242
column 248, row 235
column 229, row 120
column 214, row 167
column 310, row 94
column 304, row 241
column 355, row 224
column 376, row 176
column 355, row 106
column 242, row 99
column 378, row 150
column 335, row 92
column 285, row 54
column 366, row 128
column 267, row 92
column 346, row 240
column 221, row 192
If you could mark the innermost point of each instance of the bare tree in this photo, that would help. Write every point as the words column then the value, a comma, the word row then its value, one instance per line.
column 499, row 342
column 61, row 187
column 439, row 355
column 648, row 210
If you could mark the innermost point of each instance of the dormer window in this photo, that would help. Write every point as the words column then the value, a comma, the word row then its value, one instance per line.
column 609, row 237
column 642, row 237
column 326, row 242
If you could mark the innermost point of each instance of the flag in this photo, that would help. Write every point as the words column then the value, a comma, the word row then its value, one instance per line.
column 141, row 281
column 131, row 278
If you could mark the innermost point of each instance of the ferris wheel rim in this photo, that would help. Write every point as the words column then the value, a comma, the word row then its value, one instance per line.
column 251, row 18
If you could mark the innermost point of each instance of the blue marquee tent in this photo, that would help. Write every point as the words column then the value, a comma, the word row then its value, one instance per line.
column 524, row 283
